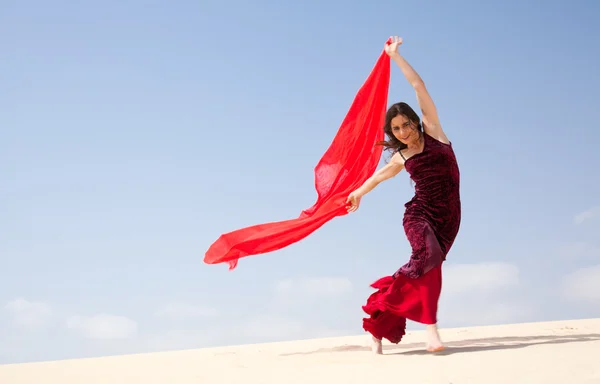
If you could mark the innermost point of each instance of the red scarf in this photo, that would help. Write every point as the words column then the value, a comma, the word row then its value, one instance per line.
column 351, row 159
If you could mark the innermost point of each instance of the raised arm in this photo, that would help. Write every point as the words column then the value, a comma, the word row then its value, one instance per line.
column 431, row 122
column 388, row 171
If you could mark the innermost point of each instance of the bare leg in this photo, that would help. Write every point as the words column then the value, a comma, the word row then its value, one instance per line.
column 376, row 346
column 434, row 343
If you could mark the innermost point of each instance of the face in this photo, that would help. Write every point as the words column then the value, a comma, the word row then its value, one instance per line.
column 404, row 129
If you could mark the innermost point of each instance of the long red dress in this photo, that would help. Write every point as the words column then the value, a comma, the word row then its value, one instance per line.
column 431, row 223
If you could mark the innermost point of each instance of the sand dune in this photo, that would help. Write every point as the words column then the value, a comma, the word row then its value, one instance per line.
column 565, row 352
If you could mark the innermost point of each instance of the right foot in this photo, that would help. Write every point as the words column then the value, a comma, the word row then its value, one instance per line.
column 434, row 343
column 376, row 346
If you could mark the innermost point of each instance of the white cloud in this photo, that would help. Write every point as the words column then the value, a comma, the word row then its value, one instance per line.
column 175, row 311
column 272, row 327
column 266, row 327
column 178, row 339
column 484, row 312
column 479, row 278
column 582, row 284
column 591, row 213
column 103, row 326
column 480, row 294
column 29, row 314
column 313, row 287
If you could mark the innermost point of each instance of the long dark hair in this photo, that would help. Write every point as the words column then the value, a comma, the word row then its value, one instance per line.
column 392, row 144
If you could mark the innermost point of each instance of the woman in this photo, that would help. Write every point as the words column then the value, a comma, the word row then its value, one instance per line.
column 431, row 220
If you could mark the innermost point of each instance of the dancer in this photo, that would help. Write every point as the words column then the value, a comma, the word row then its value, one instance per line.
column 431, row 219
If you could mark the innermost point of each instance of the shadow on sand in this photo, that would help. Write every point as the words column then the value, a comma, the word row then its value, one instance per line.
column 463, row 346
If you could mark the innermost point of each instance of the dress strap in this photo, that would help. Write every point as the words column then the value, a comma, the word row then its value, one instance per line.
column 400, row 152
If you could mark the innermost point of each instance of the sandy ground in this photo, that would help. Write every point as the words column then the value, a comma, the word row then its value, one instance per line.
column 565, row 352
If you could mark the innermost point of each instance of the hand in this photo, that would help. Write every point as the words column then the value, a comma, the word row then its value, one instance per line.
column 353, row 201
column 392, row 48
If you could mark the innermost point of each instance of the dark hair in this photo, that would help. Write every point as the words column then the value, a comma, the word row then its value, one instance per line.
column 392, row 144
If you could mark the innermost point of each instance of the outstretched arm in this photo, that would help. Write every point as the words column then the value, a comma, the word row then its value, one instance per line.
column 431, row 122
column 388, row 171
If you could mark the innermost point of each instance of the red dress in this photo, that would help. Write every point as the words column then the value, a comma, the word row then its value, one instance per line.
column 431, row 222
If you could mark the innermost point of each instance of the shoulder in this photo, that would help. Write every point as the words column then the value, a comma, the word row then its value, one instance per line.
column 397, row 159
column 436, row 132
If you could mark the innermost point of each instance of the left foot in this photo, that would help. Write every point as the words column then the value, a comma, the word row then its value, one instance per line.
column 376, row 346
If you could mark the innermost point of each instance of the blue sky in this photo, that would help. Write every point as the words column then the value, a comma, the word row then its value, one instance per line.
column 133, row 134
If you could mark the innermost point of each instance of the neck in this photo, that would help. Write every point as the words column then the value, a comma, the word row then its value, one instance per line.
column 415, row 144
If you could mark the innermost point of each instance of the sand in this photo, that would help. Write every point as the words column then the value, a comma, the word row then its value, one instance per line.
column 552, row 352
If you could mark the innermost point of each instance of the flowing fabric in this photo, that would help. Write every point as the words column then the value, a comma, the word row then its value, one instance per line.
column 431, row 223
column 399, row 298
column 349, row 161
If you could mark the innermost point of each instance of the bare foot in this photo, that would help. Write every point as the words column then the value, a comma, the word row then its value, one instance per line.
column 434, row 344
column 376, row 346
